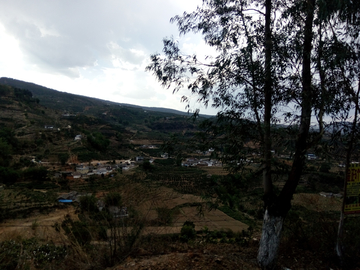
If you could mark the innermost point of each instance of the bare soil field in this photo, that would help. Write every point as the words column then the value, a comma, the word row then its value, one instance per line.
column 181, row 256
column 146, row 142
column 42, row 225
column 213, row 220
column 38, row 225
column 216, row 170
column 316, row 202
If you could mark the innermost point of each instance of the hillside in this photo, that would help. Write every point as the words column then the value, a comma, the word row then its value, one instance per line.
column 139, row 209
column 44, row 122
column 77, row 103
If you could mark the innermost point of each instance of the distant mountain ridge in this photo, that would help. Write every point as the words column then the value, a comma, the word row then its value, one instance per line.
column 76, row 103
column 46, row 124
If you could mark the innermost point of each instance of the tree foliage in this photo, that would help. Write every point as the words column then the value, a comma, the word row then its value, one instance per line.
column 98, row 141
column 289, row 61
column 5, row 153
column 38, row 174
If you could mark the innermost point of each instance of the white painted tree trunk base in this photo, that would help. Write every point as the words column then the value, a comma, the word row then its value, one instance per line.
column 270, row 240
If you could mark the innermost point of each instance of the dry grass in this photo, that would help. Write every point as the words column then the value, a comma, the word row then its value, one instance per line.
column 215, row 170
column 146, row 142
column 316, row 202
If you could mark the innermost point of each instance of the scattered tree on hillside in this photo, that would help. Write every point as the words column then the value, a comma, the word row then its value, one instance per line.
column 274, row 61
column 5, row 153
column 98, row 141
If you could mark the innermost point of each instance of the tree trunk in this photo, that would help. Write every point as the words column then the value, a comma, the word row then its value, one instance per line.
column 267, row 181
column 277, row 208
column 270, row 240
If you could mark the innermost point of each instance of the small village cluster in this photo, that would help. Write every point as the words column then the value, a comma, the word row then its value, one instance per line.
column 85, row 171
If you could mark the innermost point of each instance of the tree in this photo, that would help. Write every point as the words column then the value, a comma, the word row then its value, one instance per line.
column 270, row 56
column 98, row 141
column 8, row 175
column 173, row 146
column 63, row 157
column 5, row 153
column 113, row 199
column 39, row 174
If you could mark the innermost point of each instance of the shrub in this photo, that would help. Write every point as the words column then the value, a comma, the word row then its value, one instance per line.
column 98, row 141
column 188, row 231
column 63, row 157
column 311, row 230
column 325, row 167
column 147, row 167
column 9, row 254
column 165, row 162
column 18, row 254
column 77, row 231
column 165, row 216
column 8, row 176
column 88, row 204
column 352, row 239
column 36, row 174
column 112, row 199
column 5, row 153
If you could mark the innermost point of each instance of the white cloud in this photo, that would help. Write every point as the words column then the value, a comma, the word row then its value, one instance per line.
column 90, row 47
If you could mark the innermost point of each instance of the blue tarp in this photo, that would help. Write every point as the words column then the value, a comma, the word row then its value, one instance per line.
column 65, row 201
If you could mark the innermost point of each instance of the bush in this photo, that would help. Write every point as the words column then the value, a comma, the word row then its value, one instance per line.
column 8, row 176
column 63, row 158
column 113, row 199
column 147, row 167
column 98, row 141
column 165, row 216
column 5, row 153
column 165, row 162
column 88, row 204
column 188, row 231
column 352, row 239
column 18, row 254
column 36, row 174
column 311, row 230
column 325, row 167
column 77, row 231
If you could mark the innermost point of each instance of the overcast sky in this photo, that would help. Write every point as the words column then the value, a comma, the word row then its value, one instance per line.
column 96, row 48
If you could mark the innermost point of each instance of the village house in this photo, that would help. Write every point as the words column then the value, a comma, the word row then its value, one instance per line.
column 76, row 175
column 82, row 169
column 118, row 212
column 148, row 146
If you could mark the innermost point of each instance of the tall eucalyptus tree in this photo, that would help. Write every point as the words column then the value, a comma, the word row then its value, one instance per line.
column 270, row 63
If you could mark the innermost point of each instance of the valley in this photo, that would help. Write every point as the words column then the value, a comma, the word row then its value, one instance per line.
column 151, row 188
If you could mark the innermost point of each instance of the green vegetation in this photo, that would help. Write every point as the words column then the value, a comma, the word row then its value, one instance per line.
column 113, row 199
column 188, row 231
column 98, row 141
column 21, row 252
column 8, row 175
column 31, row 157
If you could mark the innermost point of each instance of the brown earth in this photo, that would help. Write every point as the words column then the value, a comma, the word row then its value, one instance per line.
column 316, row 202
column 145, row 142
column 202, row 256
column 38, row 225
column 210, row 257
column 41, row 225
column 213, row 220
